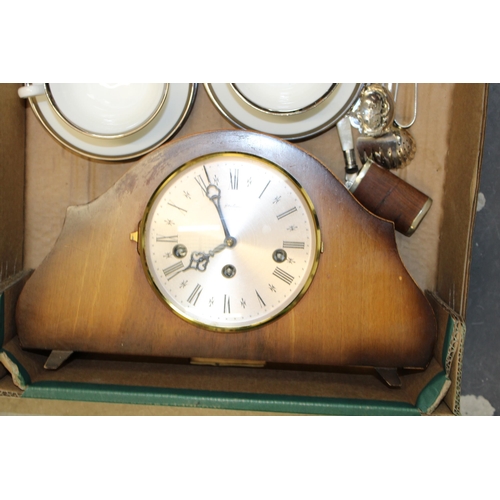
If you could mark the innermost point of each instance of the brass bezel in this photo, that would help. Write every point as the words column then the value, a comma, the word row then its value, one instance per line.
column 176, row 310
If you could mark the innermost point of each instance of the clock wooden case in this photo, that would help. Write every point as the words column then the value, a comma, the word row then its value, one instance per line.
column 93, row 294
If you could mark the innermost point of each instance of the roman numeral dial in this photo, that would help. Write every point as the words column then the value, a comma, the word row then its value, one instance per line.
column 231, row 241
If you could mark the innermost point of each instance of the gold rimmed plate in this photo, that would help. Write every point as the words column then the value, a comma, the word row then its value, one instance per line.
column 297, row 126
column 165, row 124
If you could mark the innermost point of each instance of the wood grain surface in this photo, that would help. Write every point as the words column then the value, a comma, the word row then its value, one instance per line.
column 390, row 197
column 362, row 309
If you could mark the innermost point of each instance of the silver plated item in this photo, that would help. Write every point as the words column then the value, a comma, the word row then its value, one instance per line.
column 393, row 150
column 373, row 113
column 381, row 138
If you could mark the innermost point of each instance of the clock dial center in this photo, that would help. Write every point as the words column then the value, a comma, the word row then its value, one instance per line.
column 230, row 242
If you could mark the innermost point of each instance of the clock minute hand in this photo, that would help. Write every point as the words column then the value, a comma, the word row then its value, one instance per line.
column 213, row 194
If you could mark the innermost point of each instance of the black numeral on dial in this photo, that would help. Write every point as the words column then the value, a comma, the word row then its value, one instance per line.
column 167, row 239
column 294, row 244
column 195, row 295
column 234, row 177
column 178, row 266
column 283, row 276
column 260, row 196
column 178, row 208
column 288, row 212
column 261, row 301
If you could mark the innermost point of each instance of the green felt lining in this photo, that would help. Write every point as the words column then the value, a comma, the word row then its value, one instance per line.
column 216, row 400
column 429, row 395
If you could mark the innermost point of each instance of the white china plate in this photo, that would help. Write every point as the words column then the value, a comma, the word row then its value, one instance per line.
column 299, row 126
column 167, row 122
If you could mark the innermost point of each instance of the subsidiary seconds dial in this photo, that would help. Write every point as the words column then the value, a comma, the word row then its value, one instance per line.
column 230, row 241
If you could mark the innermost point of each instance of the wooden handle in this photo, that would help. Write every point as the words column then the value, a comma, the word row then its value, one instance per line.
column 391, row 198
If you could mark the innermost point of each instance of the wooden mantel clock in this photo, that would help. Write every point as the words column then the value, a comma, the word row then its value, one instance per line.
column 235, row 246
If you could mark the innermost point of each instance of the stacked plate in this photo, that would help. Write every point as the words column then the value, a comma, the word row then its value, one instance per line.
column 171, row 113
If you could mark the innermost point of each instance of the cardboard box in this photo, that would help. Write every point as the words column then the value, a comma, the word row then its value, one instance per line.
column 40, row 178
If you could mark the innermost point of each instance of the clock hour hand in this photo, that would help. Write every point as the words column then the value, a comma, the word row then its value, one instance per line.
column 199, row 260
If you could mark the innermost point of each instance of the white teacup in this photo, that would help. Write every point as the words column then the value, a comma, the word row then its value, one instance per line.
column 283, row 98
column 108, row 110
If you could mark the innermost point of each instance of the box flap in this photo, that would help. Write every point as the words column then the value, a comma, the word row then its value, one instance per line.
column 460, row 194
column 12, row 154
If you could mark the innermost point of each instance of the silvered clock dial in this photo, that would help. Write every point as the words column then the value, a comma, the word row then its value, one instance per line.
column 230, row 241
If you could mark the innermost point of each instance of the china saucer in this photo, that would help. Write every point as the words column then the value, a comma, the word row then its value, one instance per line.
column 166, row 123
column 294, row 127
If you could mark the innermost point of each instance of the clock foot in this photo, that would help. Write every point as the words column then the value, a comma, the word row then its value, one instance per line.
column 56, row 359
column 390, row 376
